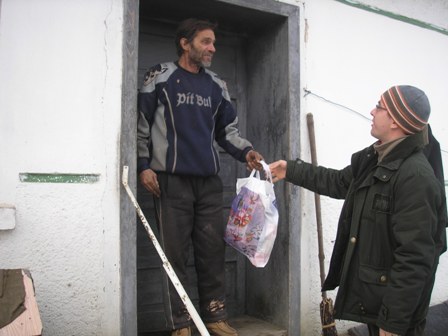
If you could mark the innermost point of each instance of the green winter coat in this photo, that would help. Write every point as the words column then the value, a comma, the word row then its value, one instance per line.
column 391, row 233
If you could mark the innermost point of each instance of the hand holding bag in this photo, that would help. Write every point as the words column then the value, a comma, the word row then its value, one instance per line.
column 252, row 225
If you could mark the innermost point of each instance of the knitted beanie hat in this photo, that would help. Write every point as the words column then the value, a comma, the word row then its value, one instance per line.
column 408, row 106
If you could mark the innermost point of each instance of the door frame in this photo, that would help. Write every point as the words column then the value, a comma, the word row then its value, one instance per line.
column 280, row 306
column 128, row 149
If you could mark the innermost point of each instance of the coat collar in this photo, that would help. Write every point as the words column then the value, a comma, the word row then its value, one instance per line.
column 403, row 150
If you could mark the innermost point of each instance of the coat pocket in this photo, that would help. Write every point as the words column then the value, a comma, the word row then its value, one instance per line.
column 373, row 275
column 372, row 287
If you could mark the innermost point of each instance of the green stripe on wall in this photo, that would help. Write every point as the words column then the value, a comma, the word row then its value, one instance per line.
column 395, row 16
column 58, row 178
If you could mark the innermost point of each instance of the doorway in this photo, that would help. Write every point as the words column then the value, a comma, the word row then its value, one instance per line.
column 156, row 45
column 257, row 55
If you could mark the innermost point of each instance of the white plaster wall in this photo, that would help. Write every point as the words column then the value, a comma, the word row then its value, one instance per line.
column 60, row 110
column 350, row 57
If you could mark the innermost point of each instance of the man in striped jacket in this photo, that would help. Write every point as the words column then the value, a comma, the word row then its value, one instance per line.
column 184, row 111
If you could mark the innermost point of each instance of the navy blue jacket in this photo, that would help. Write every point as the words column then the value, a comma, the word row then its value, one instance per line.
column 183, row 117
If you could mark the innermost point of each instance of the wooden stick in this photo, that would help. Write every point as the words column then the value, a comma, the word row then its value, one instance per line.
column 310, row 123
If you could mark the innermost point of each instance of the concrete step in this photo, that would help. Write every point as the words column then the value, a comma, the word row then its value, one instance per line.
column 250, row 326
column 245, row 325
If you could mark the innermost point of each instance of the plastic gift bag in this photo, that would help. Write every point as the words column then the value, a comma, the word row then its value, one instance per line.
column 252, row 225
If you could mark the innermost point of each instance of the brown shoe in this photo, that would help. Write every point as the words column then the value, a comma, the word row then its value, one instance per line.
column 221, row 328
column 182, row 332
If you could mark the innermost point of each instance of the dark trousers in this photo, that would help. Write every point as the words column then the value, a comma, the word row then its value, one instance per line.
column 418, row 330
column 189, row 211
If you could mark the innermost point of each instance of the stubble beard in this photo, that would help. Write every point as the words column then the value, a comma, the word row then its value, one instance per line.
column 206, row 64
column 197, row 58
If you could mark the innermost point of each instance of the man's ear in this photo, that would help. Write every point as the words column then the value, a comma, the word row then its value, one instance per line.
column 397, row 129
column 184, row 44
column 394, row 125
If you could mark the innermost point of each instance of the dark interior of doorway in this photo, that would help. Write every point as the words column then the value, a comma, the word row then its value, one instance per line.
column 241, row 28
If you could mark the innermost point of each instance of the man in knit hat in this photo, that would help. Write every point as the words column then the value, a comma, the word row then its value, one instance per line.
column 391, row 230
column 408, row 106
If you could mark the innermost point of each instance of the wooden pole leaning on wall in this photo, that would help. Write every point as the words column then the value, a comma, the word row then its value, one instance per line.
column 326, row 305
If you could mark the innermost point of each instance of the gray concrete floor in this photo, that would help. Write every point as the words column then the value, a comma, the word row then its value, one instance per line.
column 437, row 325
column 250, row 326
column 246, row 326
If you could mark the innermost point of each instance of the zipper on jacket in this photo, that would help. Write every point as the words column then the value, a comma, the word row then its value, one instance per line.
column 174, row 131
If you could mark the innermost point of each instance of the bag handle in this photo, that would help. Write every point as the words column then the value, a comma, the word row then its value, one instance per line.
column 266, row 169
column 255, row 173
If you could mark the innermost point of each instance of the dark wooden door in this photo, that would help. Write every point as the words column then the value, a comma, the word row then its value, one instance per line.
column 156, row 44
